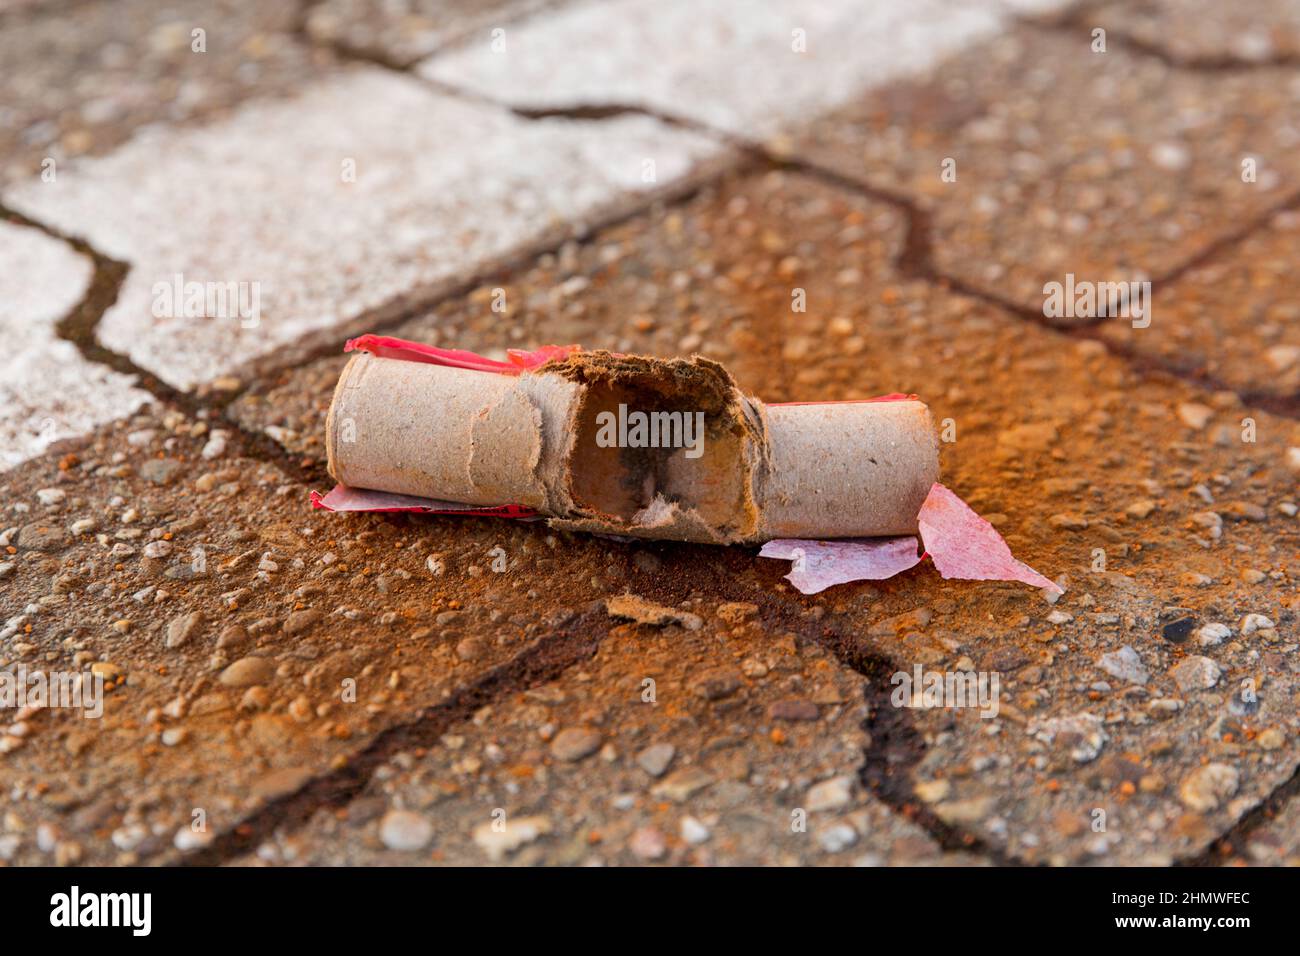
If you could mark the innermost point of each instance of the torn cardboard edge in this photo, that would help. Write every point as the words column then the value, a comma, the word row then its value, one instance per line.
column 842, row 489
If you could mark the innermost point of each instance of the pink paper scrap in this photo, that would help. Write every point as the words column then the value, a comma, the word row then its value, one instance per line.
column 821, row 564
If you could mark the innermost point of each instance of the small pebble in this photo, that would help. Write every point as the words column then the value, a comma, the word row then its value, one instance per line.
column 404, row 830
column 830, row 794
column 1125, row 665
column 216, row 444
column 574, row 743
column 1206, row 788
column 1195, row 415
column 1195, row 673
column 301, row 621
column 1212, row 634
column 1271, row 739
column 693, row 831
column 497, row 839
column 182, row 628
column 248, row 671
column 157, row 549
column 837, row 838
column 656, row 758
column 648, row 843
column 1254, row 622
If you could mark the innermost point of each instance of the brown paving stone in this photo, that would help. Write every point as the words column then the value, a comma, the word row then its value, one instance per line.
column 1206, row 32
column 81, row 81
column 732, row 743
column 406, row 32
column 1235, row 319
column 1109, row 166
column 312, row 600
column 1070, row 452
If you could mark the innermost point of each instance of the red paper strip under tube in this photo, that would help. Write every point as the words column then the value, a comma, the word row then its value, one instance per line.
column 963, row 545
column 345, row 499
column 822, row 564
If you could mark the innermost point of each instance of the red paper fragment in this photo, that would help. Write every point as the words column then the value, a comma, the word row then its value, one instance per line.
column 821, row 564
column 383, row 346
column 343, row 498
column 963, row 545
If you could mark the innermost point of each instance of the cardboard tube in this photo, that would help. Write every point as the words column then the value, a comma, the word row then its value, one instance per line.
column 453, row 434
column 860, row 468
column 757, row 472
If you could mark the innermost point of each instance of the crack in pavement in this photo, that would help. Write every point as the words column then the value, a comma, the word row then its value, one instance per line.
column 894, row 744
column 544, row 660
column 916, row 259
column 1076, row 18
column 79, row 326
column 1234, row 840
column 376, row 55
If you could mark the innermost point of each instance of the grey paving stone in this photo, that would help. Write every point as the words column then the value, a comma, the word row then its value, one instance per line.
column 717, row 63
column 298, row 215
column 48, row 391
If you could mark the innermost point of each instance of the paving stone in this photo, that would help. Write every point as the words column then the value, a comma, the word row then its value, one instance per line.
column 1046, row 427
column 82, row 82
column 1234, row 319
column 1202, row 31
column 48, row 391
column 718, row 63
column 241, row 711
column 262, row 208
column 744, row 789
column 405, row 32
column 1276, row 842
column 1054, row 440
column 1106, row 166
